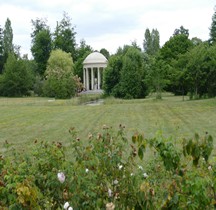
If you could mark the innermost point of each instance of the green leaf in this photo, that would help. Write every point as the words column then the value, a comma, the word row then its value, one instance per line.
column 141, row 151
column 134, row 138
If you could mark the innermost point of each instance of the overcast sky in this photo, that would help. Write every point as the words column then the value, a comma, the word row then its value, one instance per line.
column 110, row 23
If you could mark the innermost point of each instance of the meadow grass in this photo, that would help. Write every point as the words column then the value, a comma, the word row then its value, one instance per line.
column 23, row 120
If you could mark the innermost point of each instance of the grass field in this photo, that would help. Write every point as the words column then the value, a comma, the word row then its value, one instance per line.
column 25, row 119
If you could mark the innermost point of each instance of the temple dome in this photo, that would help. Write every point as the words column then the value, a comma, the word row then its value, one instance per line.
column 95, row 58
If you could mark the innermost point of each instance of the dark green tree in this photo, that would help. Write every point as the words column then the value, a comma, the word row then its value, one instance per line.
column 105, row 52
column 179, row 71
column 111, row 76
column 151, row 43
column 182, row 31
column 156, row 77
column 7, row 40
column 131, row 76
column 177, row 45
column 197, row 70
column 211, row 74
column 38, row 25
column 1, row 50
column 8, row 37
column 82, row 52
column 195, row 41
column 41, row 44
column 64, row 36
column 213, row 28
column 17, row 79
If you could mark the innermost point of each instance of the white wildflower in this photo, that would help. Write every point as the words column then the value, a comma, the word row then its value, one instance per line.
column 109, row 192
column 115, row 182
column 120, row 166
column 140, row 167
column 87, row 170
column 61, row 177
column 209, row 168
column 66, row 205
column 145, row 175
column 70, row 208
column 131, row 174
column 110, row 206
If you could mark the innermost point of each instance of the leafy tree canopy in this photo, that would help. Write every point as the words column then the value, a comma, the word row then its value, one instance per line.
column 82, row 52
column 178, row 44
column 213, row 28
column 105, row 52
column 151, row 43
column 130, row 85
column 181, row 30
column 64, row 36
column 59, row 75
column 17, row 78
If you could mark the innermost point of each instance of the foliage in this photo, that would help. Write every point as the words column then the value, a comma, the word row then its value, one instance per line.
column 213, row 28
column 104, row 173
column 181, row 30
column 105, row 52
column 6, row 43
column 197, row 69
column 1, row 50
column 59, row 81
column 82, row 52
column 8, row 38
column 17, row 79
column 156, row 76
column 176, row 45
column 151, row 43
column 124, row 75
column 64, row 36
column 41, row 44
column 131, row 83
column 111, row 76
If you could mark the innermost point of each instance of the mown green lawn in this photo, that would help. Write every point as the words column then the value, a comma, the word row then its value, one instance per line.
column 23, row 120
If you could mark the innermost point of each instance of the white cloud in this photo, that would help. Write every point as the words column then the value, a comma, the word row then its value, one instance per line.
column 110, row 23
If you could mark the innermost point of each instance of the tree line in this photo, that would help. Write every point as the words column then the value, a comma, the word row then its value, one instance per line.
column 181, row 66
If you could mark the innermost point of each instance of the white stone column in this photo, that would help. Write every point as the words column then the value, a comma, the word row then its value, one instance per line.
column 84, row 78
column 87, row 79
column 92, row 79
column 99, row 78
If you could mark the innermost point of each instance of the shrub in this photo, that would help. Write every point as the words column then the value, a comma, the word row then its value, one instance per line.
column 108, row 171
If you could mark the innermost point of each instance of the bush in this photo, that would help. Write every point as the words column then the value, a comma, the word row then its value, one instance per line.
column 108, row 171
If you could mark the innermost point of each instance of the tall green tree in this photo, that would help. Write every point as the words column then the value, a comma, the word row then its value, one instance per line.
column 59, row 75
column 64, row 36
column 111, row 76
column 82, row 52
column 1, row 50
column 131, row 76
column 41, row 44
column 211, row 74
column 151, row 43
column 156, row 77
column 7, row 40
column 17, row 79
column 181, row 30
column 213, row 28
column 8, row 37
column 196, row 69
column 176, row 46
column 105, row 52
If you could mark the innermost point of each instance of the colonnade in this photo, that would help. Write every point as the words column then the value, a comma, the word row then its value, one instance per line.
column 92, row 78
